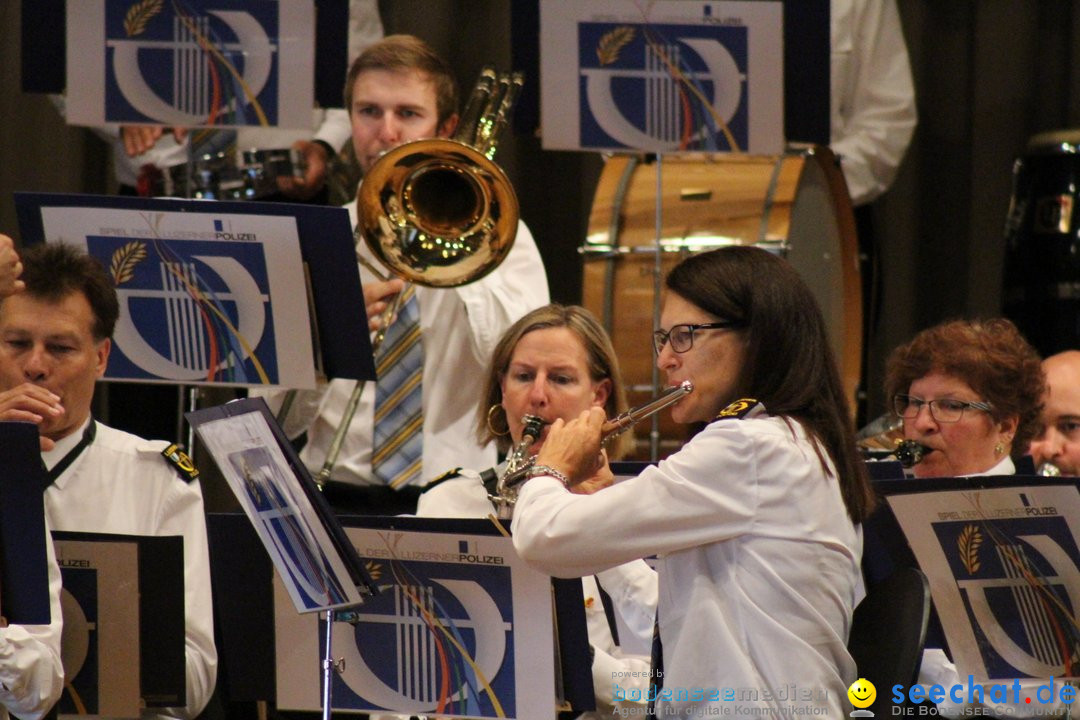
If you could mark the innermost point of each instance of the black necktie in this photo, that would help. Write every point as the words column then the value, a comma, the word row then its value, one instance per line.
column 609, row 611
column 656, row 675
column 72, row 454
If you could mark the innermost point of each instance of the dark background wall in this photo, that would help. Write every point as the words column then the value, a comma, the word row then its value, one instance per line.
column 988, row 74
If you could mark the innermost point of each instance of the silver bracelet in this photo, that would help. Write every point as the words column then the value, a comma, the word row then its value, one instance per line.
column 547, row 470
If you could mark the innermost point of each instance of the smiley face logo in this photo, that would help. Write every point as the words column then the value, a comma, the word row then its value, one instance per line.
column 862, row 693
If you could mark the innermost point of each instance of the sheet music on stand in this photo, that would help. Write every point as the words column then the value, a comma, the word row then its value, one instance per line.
column 318, row 565
column 306, row 543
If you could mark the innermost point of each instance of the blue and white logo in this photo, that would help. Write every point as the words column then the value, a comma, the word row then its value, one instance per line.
column 190, row 311
column 1020, row 588
column 437, row 639
column 196, row 62
column 663, row 87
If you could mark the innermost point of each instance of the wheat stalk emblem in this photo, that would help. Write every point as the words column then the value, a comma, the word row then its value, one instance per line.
column 374, row 569
column 139, row 14
column 607, row 50
column 968, row 543
column 124, row 260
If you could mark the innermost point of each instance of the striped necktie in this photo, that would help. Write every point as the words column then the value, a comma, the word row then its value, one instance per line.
column 398, row 448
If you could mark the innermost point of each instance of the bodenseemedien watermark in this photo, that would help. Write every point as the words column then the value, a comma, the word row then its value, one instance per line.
column 789, row 701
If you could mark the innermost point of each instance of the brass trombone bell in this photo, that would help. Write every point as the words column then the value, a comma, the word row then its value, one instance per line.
column 437, row 212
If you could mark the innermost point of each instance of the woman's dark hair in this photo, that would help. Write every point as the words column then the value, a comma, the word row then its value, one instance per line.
column 789, row 365
column 991, row 356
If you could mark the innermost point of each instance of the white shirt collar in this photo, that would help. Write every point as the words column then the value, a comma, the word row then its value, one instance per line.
column 65, row 444
column 1005, row 467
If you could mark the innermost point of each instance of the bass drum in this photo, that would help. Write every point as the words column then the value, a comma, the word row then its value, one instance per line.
column 796, row 205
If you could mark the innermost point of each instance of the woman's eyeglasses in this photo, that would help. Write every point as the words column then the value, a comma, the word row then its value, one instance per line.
column 681, row 336
column 944, row 410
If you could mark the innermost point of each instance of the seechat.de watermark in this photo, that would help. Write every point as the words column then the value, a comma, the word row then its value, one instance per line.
column 976, row 698
column 974, row 693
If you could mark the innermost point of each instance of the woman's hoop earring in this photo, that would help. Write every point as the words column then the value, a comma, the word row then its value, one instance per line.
column 491, row 426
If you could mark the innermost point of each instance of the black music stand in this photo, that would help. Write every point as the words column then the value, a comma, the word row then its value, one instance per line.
column 304, row 539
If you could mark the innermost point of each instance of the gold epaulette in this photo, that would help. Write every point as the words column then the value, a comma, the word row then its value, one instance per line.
column 183, row 463
column 738, row 409
column 448, row 475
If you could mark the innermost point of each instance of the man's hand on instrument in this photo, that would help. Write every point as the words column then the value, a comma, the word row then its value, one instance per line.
column 317, row 162
column 10, row 268
column 30, row 403
column 377, row 297
column 573, row 448
column 141, row 138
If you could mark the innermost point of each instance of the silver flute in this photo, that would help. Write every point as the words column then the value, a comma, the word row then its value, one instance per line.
column 519, row 462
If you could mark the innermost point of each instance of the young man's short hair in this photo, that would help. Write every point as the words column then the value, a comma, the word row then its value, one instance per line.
column 397, row 53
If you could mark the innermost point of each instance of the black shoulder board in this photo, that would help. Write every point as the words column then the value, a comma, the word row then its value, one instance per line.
column 448, row 475
column 181, row 461
column 738, row 409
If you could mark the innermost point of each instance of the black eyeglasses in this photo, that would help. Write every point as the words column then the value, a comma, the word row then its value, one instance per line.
column 946, row 410
column 681, row 336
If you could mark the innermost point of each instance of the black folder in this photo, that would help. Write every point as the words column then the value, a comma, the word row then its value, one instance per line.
column 24, row 571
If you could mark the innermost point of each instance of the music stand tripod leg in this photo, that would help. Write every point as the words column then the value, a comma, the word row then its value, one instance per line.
column 328, row 666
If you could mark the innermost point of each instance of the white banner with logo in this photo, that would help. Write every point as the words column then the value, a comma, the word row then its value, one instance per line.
column 461, row 627
column 1004, row 572
column 663, row 76
column 205, row 297
column 221, row 63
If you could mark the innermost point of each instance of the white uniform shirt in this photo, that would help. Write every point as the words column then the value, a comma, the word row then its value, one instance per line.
column 460, row 327
column 121, row 484
column 31, row 676
column 632, row 587
column 872, row 103
column 758, row 563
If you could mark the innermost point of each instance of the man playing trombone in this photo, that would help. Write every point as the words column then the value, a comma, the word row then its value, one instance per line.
column 399, row 90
